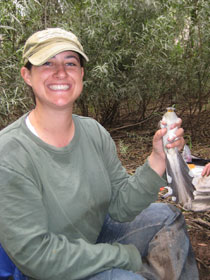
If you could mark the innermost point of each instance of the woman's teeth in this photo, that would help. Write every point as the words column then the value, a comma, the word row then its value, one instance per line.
column 59, row 87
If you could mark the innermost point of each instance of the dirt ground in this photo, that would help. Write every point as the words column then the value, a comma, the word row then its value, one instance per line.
column 134, row 145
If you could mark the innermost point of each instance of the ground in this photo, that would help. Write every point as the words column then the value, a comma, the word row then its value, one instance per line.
column 134, row 145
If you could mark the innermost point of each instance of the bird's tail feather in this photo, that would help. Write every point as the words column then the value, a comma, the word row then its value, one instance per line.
column 180, row 178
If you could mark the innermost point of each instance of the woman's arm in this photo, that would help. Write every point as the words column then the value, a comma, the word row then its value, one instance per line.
column 42, row 254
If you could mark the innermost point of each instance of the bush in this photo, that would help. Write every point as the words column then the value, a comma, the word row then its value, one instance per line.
column 144, row 55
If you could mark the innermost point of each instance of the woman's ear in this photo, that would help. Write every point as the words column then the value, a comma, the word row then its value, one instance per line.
column 83, row 71
column 26, row 75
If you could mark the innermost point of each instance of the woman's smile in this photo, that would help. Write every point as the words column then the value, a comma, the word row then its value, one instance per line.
column 60, row 87
column 58, row 82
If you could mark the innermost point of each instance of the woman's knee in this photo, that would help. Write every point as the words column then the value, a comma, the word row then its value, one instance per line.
column 162, row 213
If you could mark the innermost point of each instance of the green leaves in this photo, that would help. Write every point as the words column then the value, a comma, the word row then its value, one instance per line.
column 144, row 55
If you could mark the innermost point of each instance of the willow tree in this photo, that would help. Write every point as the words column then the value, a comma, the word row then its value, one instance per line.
column 172, row 64
column 143, row 54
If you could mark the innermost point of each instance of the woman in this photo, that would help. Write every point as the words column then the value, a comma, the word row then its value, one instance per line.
column 66, row 202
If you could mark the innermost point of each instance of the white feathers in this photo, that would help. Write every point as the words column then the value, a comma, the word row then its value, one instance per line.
column 193, row 193
column 176, row 169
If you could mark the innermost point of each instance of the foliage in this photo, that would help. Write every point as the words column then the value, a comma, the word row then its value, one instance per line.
column 144, row 55
column 178, row 60
column 123, row 149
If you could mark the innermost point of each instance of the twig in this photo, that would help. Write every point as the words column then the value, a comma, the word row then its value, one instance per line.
column 133, row 124
column 202, row 222
column 201, row 262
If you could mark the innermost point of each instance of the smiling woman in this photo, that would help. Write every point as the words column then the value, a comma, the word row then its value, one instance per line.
column 58, row 82
column 68, row 208
column 55, row 74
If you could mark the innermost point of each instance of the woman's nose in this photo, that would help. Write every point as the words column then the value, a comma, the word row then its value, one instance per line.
column 60, row 71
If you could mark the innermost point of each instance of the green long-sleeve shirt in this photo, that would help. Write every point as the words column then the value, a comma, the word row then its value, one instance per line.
column 53, row 201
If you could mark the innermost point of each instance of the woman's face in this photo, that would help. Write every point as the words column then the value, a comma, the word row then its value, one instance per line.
column 58, row 82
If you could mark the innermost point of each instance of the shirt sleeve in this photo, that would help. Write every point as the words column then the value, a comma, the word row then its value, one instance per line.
column 41, row 254
column 130, row 194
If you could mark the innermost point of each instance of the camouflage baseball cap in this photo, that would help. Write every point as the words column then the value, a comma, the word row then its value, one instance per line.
column 45, row 44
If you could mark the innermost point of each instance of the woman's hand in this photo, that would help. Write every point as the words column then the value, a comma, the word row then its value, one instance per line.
column 157, row 159
column 178, row 140
column 206, row 170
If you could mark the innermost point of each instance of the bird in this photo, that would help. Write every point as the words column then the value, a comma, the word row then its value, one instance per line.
column 190, row 190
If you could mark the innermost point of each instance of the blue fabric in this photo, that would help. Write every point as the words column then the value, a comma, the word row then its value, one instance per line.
column 116, row 274
column 8, row 269
column 160, row 235
column 159, row 230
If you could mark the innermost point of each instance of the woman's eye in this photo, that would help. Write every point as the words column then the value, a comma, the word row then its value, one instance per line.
column 47, row 63
column 70, row 64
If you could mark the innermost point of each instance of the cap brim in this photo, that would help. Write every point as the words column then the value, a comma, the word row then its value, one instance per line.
column 47, row 52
